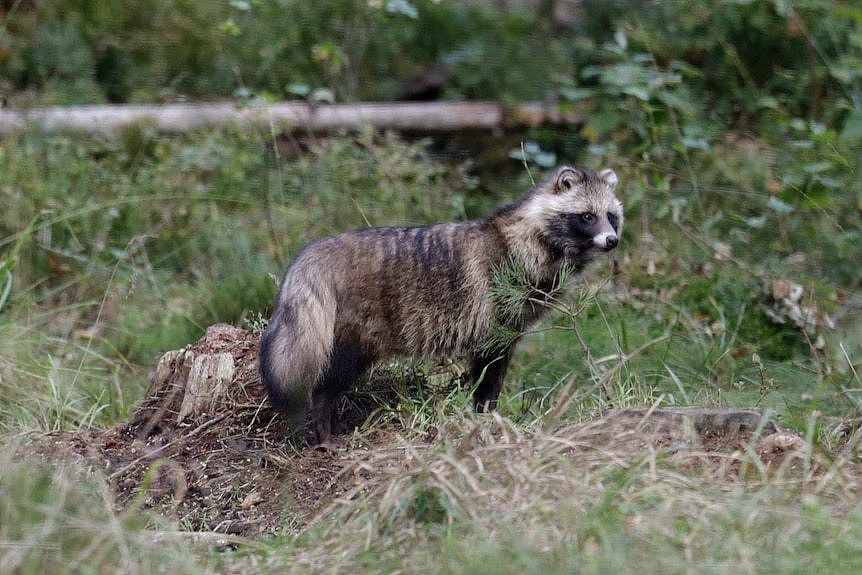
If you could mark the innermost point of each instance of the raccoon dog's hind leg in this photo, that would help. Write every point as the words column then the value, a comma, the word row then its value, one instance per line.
column 347, row 365
column 296, row 347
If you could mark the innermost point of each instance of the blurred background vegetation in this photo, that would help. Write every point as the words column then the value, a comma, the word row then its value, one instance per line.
column 735, row 127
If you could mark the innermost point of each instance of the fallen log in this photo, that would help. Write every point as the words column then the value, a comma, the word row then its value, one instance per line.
column 292, row 116
column 703, row 420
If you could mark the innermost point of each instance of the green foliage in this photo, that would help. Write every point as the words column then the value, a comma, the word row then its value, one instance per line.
column 738, row 301
column 84, row 51
column 745, row 59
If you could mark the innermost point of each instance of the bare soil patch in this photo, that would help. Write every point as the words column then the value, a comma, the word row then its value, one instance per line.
column 225, row 466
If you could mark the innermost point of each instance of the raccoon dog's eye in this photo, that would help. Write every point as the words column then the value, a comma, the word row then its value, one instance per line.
column 588, row 218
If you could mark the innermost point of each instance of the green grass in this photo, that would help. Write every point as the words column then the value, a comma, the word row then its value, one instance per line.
column 65, row 521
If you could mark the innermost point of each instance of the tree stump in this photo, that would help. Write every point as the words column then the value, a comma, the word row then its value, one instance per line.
column 201, row 380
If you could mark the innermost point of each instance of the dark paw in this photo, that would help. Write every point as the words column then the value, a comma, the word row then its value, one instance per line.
column 331, row 444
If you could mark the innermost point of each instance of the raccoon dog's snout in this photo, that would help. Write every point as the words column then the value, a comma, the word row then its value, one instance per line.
column 606, row 241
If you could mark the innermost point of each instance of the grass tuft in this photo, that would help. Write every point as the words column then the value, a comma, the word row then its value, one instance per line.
column 488, row 494
column 61, row 520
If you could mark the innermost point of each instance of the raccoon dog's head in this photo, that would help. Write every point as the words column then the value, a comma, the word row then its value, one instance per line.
column 580, row 212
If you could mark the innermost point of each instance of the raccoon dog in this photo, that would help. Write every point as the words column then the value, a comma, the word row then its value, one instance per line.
column 354, row 298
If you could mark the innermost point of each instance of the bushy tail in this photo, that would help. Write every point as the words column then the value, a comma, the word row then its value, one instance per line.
column 295, row 348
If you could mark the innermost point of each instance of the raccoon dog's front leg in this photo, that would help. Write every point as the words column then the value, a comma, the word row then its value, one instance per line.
column 487, row 370
column 346, row 367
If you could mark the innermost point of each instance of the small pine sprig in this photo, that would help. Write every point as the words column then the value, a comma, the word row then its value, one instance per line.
column 511, row 290
column 500, row 337
column 514, row 290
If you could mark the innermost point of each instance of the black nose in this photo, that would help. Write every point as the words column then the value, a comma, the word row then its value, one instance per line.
column 611, row 242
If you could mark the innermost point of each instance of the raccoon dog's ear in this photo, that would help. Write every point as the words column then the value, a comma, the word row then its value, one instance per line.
column 566, row 178
column 609, row 177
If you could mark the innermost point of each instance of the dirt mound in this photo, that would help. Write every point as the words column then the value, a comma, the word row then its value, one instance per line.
column 206, row 448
